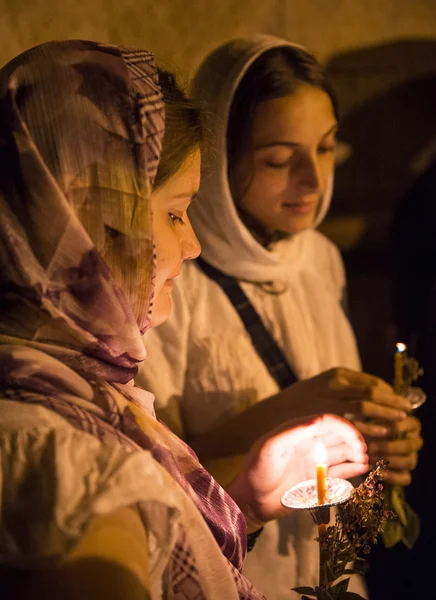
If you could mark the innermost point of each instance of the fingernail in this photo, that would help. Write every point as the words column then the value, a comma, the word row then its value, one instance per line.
column 400, row 415
column 379, row 430
column 407, row 405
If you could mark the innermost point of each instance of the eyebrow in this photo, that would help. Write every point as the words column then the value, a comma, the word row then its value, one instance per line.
column 333, row 129
column 184, row 195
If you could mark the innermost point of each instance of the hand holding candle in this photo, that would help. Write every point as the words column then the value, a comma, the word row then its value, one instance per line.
column 286, row 457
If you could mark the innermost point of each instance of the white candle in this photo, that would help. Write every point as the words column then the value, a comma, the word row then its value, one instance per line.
column 321, row 472
column 398, row 367
column 321, row 483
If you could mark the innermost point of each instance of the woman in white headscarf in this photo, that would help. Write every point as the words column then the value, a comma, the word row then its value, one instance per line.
column 263, row 308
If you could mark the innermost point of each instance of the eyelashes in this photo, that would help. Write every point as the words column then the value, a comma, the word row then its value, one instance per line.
column 113, row 234
column 322, row 150
column 326, row 149
column 175, row 219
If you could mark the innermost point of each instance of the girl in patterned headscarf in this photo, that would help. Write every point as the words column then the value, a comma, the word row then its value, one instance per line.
column 98, row 499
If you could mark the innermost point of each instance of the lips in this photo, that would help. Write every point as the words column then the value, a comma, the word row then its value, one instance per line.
column 300, row 208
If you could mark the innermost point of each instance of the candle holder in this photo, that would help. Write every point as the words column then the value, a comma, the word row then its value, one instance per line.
column 304, row 496
column 415, row 395
column 344, row 543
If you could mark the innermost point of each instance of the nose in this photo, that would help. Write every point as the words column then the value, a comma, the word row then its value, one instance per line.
column 190, row 245
column 309, row 174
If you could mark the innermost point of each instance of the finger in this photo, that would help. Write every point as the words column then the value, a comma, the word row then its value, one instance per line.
column 332, row 425
column 331, row 439
column 372, row 410
column 410, row 427
column 393, row 447
column 390, row 399
column 403, row 478
column 372, row 430
column 398, row 462
column 343, row 377
column 343, row 452
column 348, row 470
column 382, row 396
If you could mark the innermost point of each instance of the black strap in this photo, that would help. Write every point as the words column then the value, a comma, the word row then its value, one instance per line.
column 263, row 341
column 252, row 539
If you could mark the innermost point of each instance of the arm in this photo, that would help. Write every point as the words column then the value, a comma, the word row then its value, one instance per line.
column 338, row 391
column 111, row 562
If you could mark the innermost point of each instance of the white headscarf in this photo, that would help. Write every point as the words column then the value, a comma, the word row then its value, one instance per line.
column 222, row 234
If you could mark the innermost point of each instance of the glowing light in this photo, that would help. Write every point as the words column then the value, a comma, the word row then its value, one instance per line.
column 401, row 347
column 320, row 454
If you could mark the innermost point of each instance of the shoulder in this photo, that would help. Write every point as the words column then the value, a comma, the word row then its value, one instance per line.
column 49, row 467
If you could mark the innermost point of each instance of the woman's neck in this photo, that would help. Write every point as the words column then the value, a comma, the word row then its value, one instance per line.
column 266, row 237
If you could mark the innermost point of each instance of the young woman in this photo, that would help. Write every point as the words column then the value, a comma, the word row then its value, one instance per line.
column 264, row 306
column 99, row 500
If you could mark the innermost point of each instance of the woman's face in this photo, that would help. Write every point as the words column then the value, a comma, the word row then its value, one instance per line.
column 282, row 179
column 174, row 237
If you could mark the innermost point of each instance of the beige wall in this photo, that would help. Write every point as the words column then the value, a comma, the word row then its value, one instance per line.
column 182, row 31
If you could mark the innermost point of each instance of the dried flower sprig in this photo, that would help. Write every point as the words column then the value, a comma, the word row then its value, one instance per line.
column 357, row 526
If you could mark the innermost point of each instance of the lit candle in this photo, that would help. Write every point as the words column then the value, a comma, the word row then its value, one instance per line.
column 321, row 484
column 398, row 367
column 321, row 472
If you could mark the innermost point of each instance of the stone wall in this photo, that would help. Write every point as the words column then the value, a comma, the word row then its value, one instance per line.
column 182, row 31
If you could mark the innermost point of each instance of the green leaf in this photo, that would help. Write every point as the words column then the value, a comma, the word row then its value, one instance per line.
column 392, row 533
column 397, row 503
column 412, row 529
column 341, row 586
column 350, row 596
column 322, row 594
column 361, row 564
column 308, row 591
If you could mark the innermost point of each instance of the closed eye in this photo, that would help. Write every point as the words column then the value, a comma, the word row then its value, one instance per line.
column 326, row 149
column 113, row 233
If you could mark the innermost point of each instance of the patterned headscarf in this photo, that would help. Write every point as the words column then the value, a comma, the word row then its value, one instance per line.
column 80, row 137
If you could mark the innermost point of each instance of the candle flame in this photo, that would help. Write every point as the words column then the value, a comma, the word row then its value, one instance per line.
column 320, row 454
column 401, row 347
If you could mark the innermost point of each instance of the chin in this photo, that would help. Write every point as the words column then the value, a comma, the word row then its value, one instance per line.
column 162, row 307
column 293, row 226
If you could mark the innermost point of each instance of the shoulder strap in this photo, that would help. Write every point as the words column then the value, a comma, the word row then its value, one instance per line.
column 262, row 340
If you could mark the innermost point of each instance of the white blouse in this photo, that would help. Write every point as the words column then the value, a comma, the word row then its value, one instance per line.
column 203, row 369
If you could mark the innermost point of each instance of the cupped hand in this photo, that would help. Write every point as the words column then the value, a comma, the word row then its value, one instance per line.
column 400, row 449
column 352, row 394
column 285, row 457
